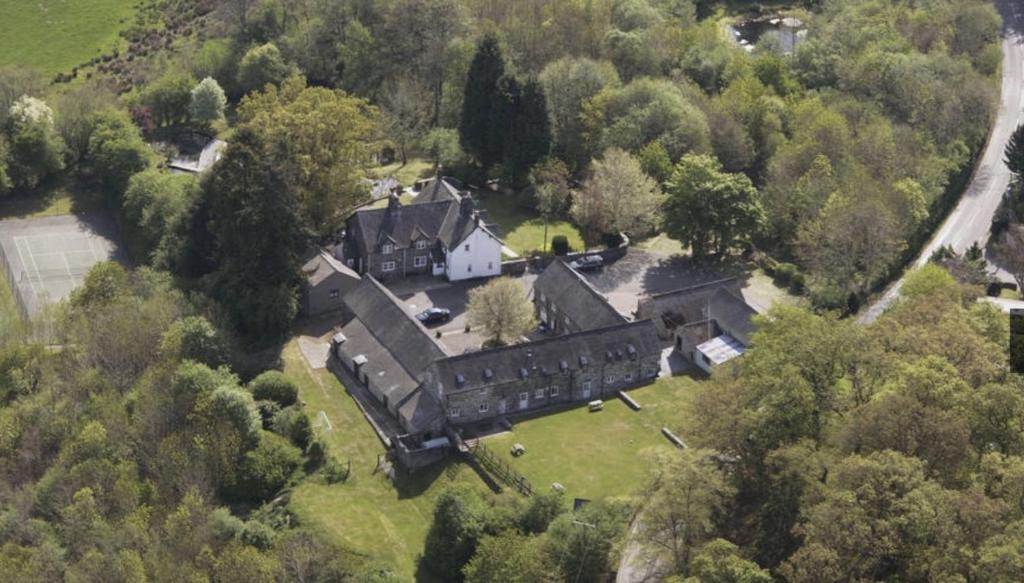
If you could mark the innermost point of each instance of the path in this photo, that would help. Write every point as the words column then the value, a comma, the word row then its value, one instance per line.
column 971, row 219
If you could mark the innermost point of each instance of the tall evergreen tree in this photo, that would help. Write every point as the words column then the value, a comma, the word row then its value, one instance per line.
column 258, row 237
column 1015, row 152
column 479, row 135
column 529, row 136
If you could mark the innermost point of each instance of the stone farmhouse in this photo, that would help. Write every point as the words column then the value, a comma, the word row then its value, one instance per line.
column 428, row 391
column 710, row 324
column 441, row 233
column 565, row 302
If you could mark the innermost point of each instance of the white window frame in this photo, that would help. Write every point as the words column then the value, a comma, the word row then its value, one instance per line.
column 628, row 377
column 334, row 294
column 350, row 262
column 587, row 385
column 388, row 266
column 610, row 379
column 484, row 407
column 524, row 396
column 538, row 394
column 420, row 261
column 421, row 243
column 469, row 268
column 553, row 391
column 466, row 247
column 387, row 248
column 454, row 412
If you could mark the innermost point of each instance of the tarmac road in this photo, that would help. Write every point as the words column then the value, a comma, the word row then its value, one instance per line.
column 971, row 219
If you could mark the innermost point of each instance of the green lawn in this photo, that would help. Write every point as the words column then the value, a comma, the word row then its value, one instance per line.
column 367, row 514
column 62, row 196
column 406, row 175
column 601, row 454
column 521, row 229
column 55, row 35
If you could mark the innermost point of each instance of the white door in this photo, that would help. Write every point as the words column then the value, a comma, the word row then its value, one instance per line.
column 501, row 407
column 524, row 400
column 586, row 390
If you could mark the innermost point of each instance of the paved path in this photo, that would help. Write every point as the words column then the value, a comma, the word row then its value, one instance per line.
column 971, row 219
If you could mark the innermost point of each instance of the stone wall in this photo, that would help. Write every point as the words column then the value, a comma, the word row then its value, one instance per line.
column 405, row 263
column 625, row 373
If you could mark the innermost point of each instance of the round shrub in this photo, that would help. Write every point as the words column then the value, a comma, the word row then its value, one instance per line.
column 560, row 245
column 266, row 469
column 274, row 386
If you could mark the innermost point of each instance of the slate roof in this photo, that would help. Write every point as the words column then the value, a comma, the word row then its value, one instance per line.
column 322, row 266
column 692, row 304
column 420, row 410
column 393, row 326
column 575, row 297
column 439, row 189
column 551, row 355
column 370, row 228
column 382, row 367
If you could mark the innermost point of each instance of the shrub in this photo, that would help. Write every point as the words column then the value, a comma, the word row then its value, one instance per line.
column 266, row 469
column 784, row 273
column 293, row 424
column 272, row 385
column 335, row 471
column 560, row 245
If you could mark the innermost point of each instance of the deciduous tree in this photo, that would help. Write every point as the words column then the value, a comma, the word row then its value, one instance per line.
column 207, row 101
column 618, row 197
column 708, row 209
column 502, row 310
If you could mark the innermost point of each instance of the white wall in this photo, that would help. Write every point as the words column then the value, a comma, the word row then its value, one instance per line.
column 484, row 256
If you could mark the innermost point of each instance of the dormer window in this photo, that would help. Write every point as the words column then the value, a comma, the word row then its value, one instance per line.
column 421, row 244
column 387, row 248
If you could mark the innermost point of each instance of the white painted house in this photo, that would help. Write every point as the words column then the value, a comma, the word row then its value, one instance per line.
column 478, row 255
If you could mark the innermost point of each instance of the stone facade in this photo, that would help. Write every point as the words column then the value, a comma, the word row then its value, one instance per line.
column 537, row 392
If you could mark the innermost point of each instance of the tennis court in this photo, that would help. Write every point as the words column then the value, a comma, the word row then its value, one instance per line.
column 45, row 259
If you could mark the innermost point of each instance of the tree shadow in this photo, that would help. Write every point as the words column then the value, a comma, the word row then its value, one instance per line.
column 61, row 195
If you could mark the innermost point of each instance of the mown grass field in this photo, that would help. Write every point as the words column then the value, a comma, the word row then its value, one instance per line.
column 597, row 454
column 55, row 35
column 592, row 454
column 367, row 514
column 521, row 229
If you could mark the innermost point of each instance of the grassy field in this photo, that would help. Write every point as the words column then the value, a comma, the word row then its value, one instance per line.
column 62, row 196
column 600, row 454
column 522, row 230
column 367, row 514
column 405, row 175
column 55, row 35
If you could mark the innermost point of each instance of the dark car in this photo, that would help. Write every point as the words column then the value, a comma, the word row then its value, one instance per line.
column 434, row 316
column 588, row 263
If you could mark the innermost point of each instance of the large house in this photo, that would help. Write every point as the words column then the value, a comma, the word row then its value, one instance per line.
column 427, row 390
column 440, row 233
column 710, row 324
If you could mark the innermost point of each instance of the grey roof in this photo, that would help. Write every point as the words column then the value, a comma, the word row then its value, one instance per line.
column 401, row 225
column 447, row 216
column 718, row 300
column 382, row 367
column 560, row 353
column 420, row 410
column 439, row 189
column 393, row 326
column 322, row 266
column 575, row 297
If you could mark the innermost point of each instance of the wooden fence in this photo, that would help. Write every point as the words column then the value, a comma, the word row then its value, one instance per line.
column 500, row 468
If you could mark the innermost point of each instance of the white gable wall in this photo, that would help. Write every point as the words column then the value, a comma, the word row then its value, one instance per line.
column 482, row 259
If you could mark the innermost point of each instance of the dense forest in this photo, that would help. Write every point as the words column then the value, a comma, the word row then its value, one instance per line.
column 144, row 442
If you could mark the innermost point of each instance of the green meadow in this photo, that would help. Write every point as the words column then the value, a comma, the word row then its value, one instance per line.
column 55, row 35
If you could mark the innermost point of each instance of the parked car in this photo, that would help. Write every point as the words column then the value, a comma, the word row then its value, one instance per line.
column 434, row 316
column 588, row 263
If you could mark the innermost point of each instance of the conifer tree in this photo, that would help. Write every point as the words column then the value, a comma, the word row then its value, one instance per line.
column 479, row 135
column 529, row 136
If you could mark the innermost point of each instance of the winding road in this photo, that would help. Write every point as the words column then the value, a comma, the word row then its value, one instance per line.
column 972, row 217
